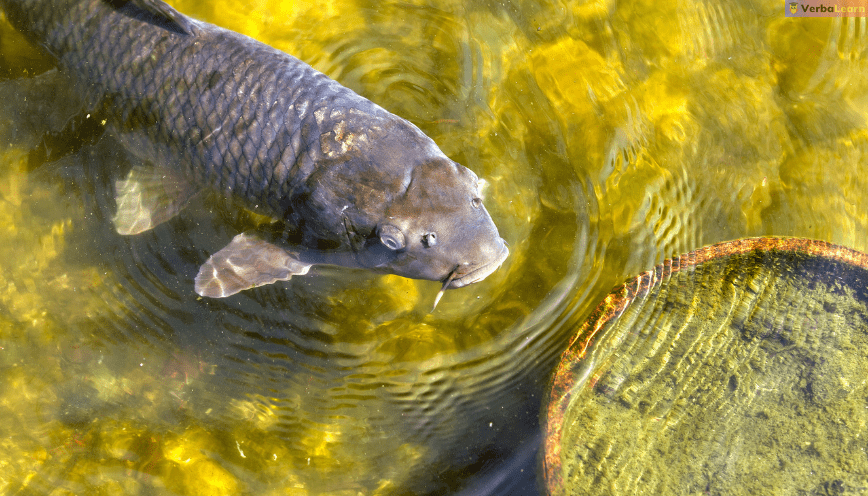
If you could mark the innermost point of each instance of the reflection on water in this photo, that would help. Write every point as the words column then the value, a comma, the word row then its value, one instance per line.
column 611, row 135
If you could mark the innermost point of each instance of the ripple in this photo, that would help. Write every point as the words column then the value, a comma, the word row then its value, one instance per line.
column 719, row 346
column 611, row 135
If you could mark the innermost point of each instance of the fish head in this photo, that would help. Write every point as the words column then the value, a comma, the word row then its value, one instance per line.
column 439, row 229
column 402, row 205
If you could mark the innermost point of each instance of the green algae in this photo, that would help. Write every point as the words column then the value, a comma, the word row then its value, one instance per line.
column 742, row 374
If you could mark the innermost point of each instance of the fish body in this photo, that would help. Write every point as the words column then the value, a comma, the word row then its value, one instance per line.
column 204, row 108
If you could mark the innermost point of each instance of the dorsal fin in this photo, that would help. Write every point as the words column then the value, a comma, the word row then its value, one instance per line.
column 154, row 12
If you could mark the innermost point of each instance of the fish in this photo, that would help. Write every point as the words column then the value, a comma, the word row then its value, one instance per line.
column 199, row 108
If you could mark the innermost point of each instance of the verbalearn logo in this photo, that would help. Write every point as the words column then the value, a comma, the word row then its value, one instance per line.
column 843, row 9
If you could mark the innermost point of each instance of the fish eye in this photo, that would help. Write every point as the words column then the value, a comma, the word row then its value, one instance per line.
column 476, row 202
column 391, row 237
column 429, row 239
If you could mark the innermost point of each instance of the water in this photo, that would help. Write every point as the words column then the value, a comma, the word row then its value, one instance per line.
column 612, row 136
column 735, row 369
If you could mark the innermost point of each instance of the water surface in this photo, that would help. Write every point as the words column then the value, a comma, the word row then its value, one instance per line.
column 611, row 135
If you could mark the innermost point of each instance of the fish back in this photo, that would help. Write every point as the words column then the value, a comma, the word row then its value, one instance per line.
column 222, row 109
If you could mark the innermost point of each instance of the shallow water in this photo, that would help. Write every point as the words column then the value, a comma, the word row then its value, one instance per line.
column 735, row 369
column 612, row 136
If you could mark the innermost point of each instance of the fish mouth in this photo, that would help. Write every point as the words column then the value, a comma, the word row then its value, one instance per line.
column 457, row 280
column 477, row 273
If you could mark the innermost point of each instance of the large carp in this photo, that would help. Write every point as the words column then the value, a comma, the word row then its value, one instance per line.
column 201, row 107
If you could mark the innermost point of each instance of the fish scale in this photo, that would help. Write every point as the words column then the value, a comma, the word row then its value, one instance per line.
column 142, row 63
column 198, row 107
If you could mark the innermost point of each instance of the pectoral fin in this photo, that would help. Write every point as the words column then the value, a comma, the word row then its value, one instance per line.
column 246, row 262
column 147, row 197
